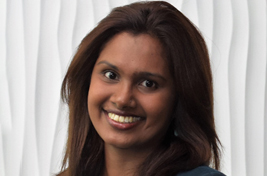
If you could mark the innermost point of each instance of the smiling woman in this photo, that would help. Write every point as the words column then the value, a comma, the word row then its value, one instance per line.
column 130, row 109
column 139, row 91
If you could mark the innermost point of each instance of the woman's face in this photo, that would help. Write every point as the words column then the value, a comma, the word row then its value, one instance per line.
column 131, row 94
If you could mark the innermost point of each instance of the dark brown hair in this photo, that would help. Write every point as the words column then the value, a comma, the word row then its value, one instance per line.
column 191, row 139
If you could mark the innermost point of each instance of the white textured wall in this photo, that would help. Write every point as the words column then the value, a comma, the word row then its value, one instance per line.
column 39, row 37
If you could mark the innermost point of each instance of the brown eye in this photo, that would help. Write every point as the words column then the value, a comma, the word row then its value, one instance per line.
column 110, row 75
column 149, row 84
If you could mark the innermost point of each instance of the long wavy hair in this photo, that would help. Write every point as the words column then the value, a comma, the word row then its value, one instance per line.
column 191, row 139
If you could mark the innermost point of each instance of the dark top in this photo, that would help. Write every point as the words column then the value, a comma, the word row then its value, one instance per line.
column 201, row 171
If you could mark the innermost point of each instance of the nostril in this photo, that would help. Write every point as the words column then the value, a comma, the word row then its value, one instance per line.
column 123, row 102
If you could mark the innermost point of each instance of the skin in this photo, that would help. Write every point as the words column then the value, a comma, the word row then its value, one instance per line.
column 130, row 78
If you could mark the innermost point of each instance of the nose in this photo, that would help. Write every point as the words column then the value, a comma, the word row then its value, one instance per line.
column 123, row 96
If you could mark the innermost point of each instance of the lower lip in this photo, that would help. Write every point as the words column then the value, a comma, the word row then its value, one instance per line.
column 121, row 126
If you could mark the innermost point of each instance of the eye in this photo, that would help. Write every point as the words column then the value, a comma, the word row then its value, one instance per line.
column 110, row 75
column 149, row 84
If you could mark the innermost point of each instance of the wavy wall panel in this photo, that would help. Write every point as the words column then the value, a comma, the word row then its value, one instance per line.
column 15, row 70
column 237, row 85
column 255, row 88
column 222, row 33
column 38, row 39
column 31, row 17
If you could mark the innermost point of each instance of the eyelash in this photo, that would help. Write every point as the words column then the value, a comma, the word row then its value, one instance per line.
column 108, row 73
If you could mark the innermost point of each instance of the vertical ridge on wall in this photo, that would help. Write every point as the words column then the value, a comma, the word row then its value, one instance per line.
column 5, row 112
column 65, row 32
column 31, row 17
column 265, row 124
column 68, row 10
column 2, row 162
column 265, row 105
column 237, row 83
column 222, row 34
column 84, row 21
column 255, row 82
column 15, row 67
column 47, row 83
column 59, row 139
column 5, row 117
column 101, row 9
column 205, row 16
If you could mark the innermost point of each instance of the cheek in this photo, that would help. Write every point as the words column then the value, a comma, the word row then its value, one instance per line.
column 158, row 110
column 96, row 94
column 160, row 105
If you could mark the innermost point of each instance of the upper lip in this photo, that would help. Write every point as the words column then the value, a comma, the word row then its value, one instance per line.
column 121, row 113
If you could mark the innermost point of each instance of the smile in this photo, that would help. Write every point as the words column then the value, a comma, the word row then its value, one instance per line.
column 123, row 119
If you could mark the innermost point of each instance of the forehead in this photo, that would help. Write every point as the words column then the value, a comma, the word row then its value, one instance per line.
column 141, row 51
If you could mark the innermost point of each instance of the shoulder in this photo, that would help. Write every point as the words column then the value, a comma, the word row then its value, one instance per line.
column 201, row 171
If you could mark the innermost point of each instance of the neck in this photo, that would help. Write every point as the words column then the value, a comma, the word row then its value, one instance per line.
column 122, row 161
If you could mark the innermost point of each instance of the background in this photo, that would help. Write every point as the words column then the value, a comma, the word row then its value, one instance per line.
column 39, row 37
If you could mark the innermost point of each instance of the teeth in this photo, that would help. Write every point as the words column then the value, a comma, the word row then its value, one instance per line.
column 116, row 117
column 126, row 119
column 123, row 119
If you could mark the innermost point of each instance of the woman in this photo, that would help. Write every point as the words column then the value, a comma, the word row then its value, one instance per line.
column 139, row 91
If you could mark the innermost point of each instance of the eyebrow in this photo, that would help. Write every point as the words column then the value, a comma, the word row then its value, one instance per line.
column 148, row 74
column 144, row 74
column 109, row 64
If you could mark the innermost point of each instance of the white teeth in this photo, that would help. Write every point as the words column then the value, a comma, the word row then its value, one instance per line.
column 123, row 119
column 116, row 117
column 126, row 119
